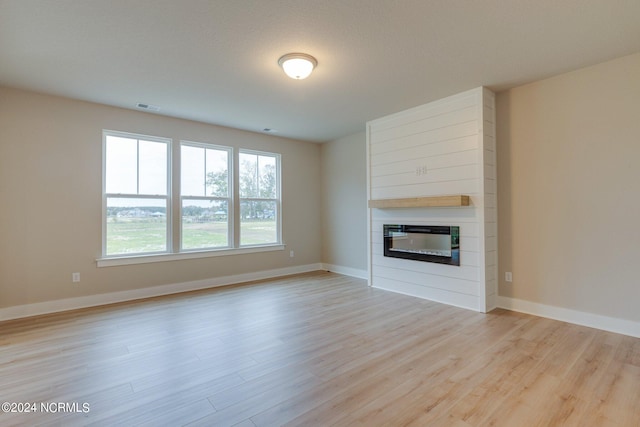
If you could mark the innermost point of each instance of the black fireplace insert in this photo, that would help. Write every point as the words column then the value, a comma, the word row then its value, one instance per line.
column 429, row 243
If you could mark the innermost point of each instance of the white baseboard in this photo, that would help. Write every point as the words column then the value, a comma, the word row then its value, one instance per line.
column 66, row 304
column 611, row 324
column 347, row 271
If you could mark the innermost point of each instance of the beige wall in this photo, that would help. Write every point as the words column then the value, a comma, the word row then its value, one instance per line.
column 50, row 199
column 568, row 187
column 344, row 202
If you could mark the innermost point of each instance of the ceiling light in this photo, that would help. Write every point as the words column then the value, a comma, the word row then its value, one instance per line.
column 297, row 65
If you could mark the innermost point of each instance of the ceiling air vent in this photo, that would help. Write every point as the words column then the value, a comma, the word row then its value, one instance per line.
column 147, row 107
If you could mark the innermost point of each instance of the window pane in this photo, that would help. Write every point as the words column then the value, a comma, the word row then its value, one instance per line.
column 217, row 173
column 136, row 225
column 121, row 165
column 258, row 223
column 248, row 175
column 153, row 168
column 267, row 176
column 204, row 224
column 192, row 170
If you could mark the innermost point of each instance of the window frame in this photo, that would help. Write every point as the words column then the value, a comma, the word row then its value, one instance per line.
column 277, row 199
column 229, row 198
column 174, row 198
column 168, row 197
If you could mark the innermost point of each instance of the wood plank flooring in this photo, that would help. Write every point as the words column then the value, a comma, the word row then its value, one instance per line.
column 317, row 349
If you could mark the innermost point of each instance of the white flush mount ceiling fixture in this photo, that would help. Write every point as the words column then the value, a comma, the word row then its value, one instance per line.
column 298, row 66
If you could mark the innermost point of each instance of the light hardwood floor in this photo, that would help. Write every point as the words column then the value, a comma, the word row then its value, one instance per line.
column 316, row 349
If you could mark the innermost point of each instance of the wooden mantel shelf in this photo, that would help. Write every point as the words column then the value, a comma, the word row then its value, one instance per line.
column 421, row 202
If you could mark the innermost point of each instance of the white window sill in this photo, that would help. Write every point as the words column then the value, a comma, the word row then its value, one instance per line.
column 144, row 259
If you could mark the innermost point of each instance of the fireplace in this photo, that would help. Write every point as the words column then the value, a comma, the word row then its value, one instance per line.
column 429, row 243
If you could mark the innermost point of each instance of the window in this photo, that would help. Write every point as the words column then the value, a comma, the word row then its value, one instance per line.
column 225, row 201
column 259, row 198
column 136, row 194
column 205, row 198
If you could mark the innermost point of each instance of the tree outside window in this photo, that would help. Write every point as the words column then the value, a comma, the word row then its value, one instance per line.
column 259, row 198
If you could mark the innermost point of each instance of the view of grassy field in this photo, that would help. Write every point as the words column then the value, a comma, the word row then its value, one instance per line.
column 132, row 235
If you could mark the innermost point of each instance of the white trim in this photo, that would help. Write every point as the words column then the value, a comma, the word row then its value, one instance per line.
column 369, row 210
column 230, row 183
column 66, row 304
column 606, row 323
column 347, row 271
column 145, row 259
column 168, row 197
column 277, row 200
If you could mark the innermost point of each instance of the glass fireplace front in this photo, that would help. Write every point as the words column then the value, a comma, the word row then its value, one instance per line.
column 429, row 243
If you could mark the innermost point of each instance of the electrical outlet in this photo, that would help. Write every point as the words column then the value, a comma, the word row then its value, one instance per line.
column 508, row 277
column 291, row 254
column 75, row 277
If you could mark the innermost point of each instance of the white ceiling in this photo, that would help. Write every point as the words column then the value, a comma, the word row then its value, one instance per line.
column 216, row 61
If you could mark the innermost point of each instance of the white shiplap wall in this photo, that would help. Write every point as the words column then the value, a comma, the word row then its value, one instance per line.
column 441, row 148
